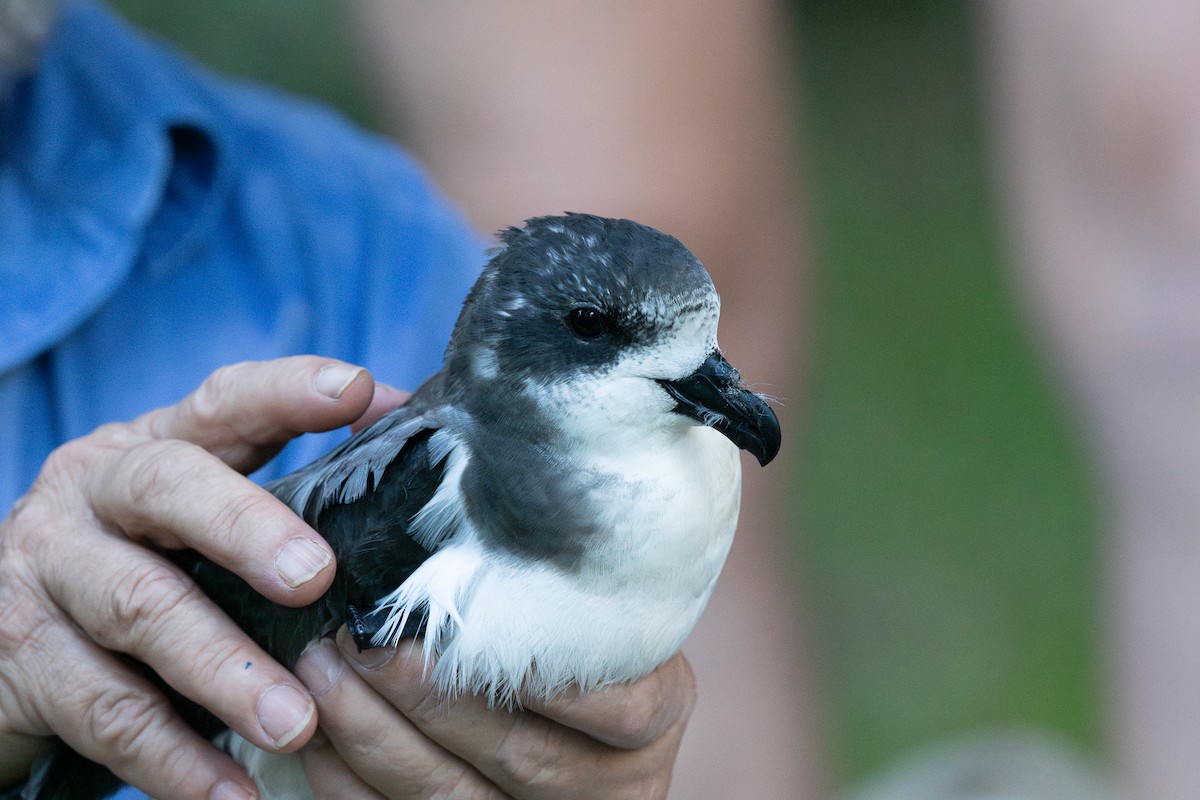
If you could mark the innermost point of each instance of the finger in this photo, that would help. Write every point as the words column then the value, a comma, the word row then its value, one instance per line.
column 329, row 776
column 174, row 494
column 523, row 753
column 107, row 713
column 629, row 716
column 377, row 741
column 245, row 412
column 144, row 606
column 386, row 399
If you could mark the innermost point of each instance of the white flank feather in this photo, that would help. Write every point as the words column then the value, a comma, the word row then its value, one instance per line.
column 445, row 512
column 441, row 584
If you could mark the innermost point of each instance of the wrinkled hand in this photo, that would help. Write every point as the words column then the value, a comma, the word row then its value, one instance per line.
column 387, row 732
column 80, row 582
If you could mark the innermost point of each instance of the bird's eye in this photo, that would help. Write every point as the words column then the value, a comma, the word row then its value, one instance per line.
column 586, row 322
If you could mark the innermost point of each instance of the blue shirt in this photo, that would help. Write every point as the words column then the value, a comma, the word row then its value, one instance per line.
column 157, row 222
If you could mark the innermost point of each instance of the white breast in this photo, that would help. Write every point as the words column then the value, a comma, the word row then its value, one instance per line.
column 499, row 623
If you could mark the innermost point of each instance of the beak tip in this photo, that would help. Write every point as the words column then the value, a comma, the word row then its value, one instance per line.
column 769, row 440
column 714, row 396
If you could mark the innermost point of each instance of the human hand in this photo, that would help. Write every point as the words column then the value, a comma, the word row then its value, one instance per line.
column 82, row 586
column 386, row 731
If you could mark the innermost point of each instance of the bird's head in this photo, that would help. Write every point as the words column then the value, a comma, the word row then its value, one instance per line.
column 601, row 324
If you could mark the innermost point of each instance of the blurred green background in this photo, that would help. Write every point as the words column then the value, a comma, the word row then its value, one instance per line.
column 944, row 526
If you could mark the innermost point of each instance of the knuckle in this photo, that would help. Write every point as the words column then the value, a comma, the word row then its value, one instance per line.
column 142, row 601
column 363, row 743
column 119, row 721
column 178, row 761
column 112, row 434
column 14, row 631
column 24, row 622
column 25, row 527
column 69, row 457
column 69, row 465
column 78, row 457
column 529, row 754
column 147, row 474
column 209, row 404
column 30, row 670
column 637, row 722
column 244, row 512
column 658, row 703
column 425, row 710
column 28, row 614
column 207, row 664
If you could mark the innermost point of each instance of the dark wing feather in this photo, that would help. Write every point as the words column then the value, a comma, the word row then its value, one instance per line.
column 361, row 496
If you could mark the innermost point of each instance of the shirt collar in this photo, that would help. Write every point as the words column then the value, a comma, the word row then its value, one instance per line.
column 109, row 158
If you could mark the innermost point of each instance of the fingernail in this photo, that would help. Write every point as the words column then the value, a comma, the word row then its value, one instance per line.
column 320, row 667
column 299, row 561
column 228, row 790
column 371, row 659
column 334, row 379
column 284, row 712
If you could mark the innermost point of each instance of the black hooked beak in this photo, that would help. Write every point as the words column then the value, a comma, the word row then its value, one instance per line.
column 715, row 396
